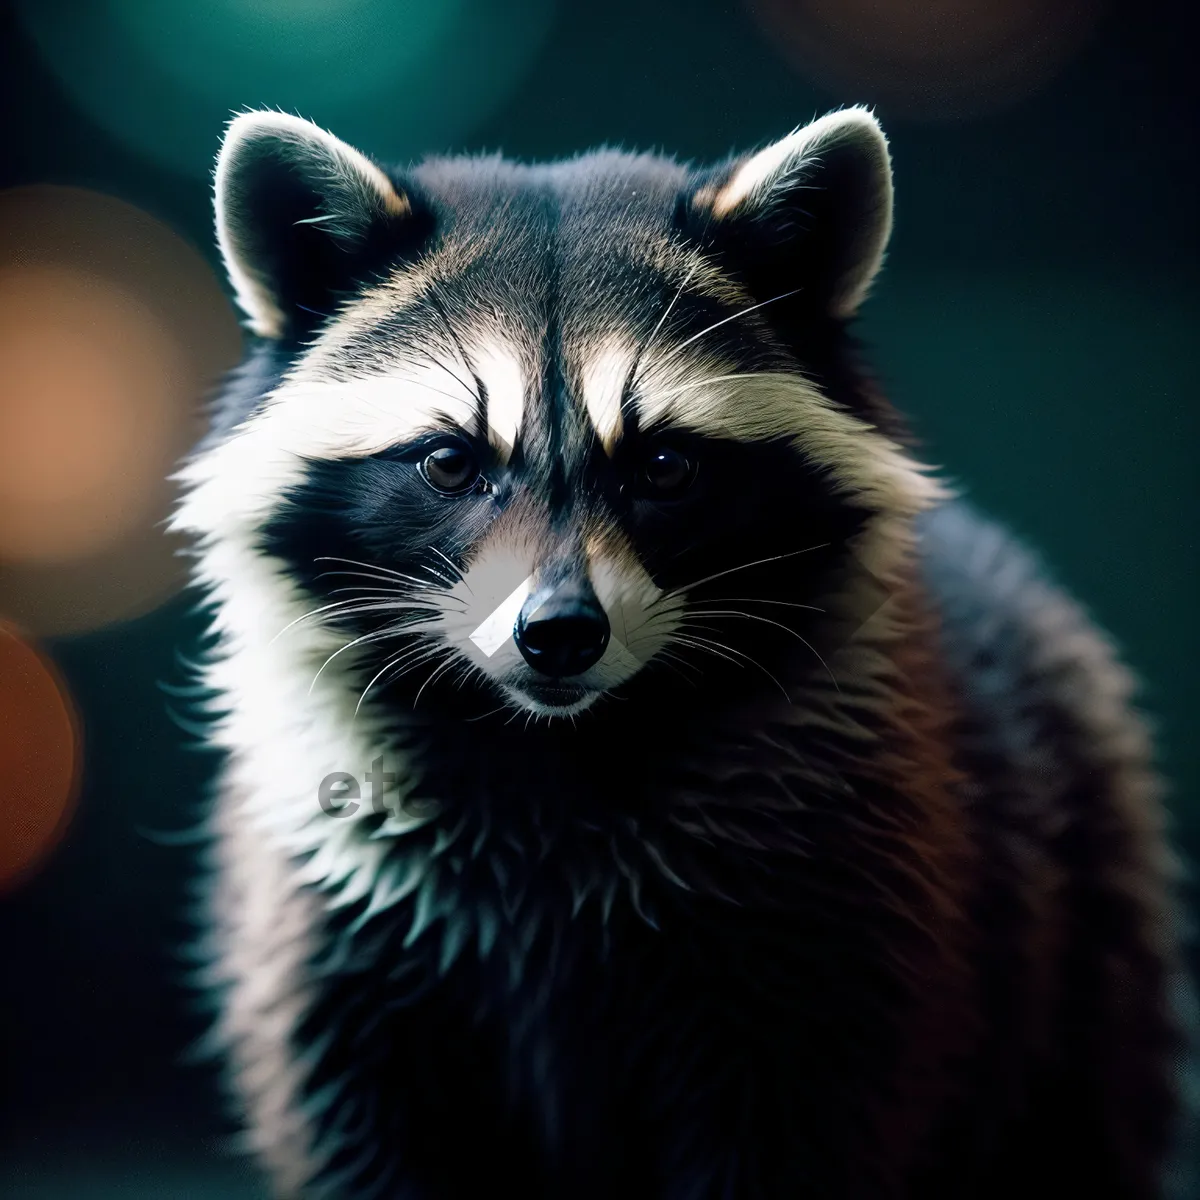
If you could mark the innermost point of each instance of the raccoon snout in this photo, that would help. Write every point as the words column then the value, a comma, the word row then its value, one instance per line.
column 562, row 630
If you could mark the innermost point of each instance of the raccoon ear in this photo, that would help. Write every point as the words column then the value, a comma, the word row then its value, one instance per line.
column 300, row 217
column 813, row 211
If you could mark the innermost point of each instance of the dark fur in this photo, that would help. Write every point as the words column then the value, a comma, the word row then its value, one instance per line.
column 686, row 946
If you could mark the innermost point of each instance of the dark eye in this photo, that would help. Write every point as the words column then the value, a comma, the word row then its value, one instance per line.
column 451, row 470
column 667, row 472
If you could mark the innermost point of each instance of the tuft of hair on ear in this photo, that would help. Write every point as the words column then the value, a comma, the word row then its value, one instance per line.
column 812, row 212
column 302, row 217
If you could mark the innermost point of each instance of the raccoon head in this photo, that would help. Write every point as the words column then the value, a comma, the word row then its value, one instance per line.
column 536, row 431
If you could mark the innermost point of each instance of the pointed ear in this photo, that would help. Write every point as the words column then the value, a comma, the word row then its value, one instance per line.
column 301, row 217
column 813, row 211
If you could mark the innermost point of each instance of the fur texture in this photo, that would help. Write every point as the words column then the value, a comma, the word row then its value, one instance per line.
column 835, row 871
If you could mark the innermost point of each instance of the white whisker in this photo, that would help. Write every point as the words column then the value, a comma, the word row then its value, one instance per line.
column 697, row 605
column 377, row 635
column 375, row 567
column 712, row 647
column 490, row 713
column 404, row 599
column 646, row 345
column 428, row 653
column 350, row 606
column 676, row 664
column 437, row 671
column 767, row 621
column 742, row 312
column 457, row 576
column 687, row 587
column 409, row 590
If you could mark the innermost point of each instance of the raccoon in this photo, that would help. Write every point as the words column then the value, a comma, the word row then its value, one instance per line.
column 642, row 776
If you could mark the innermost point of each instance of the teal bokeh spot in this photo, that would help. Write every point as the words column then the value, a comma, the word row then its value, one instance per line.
column 398, row 78
column 336, row 52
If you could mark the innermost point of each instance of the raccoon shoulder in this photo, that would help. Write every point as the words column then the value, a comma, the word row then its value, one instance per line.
column 1060, row 757
column 1022, row 648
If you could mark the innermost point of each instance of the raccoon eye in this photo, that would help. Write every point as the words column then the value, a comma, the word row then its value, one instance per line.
column 667, row 472
column 451, row 470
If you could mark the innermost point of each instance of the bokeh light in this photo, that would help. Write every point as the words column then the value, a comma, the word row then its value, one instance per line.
column 399, row 78
column 112, row 329
column 85, row 370
column 931, row 59
column 39, row 758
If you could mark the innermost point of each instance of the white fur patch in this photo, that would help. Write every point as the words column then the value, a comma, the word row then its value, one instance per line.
column 285, row 736
column 499, row 370
column 291, row 717
column 605, row 373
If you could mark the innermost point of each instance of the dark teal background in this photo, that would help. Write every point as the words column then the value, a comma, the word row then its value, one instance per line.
column 1037, row 318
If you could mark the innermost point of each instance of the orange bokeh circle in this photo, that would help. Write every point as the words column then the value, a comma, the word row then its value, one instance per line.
column 86, row 368
column 112, row 332
column 40, row 758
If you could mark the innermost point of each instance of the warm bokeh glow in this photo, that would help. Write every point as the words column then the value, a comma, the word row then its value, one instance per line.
column 39, row 758
column 112, row 329
column 933, row 58
column 89, row 390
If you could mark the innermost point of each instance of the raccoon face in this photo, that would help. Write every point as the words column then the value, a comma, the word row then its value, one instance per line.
column 538, row 431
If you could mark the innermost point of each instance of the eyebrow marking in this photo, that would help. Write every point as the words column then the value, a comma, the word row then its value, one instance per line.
column 326, row 418
column 604, row 380
column 763, row 405
column 499, row 371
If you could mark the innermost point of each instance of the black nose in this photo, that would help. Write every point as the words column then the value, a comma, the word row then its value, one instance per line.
column 562, row 631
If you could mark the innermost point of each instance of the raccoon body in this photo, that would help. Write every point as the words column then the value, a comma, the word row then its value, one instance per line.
column 641, row 777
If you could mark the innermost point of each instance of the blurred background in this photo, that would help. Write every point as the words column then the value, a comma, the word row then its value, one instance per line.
column 1037, row 318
